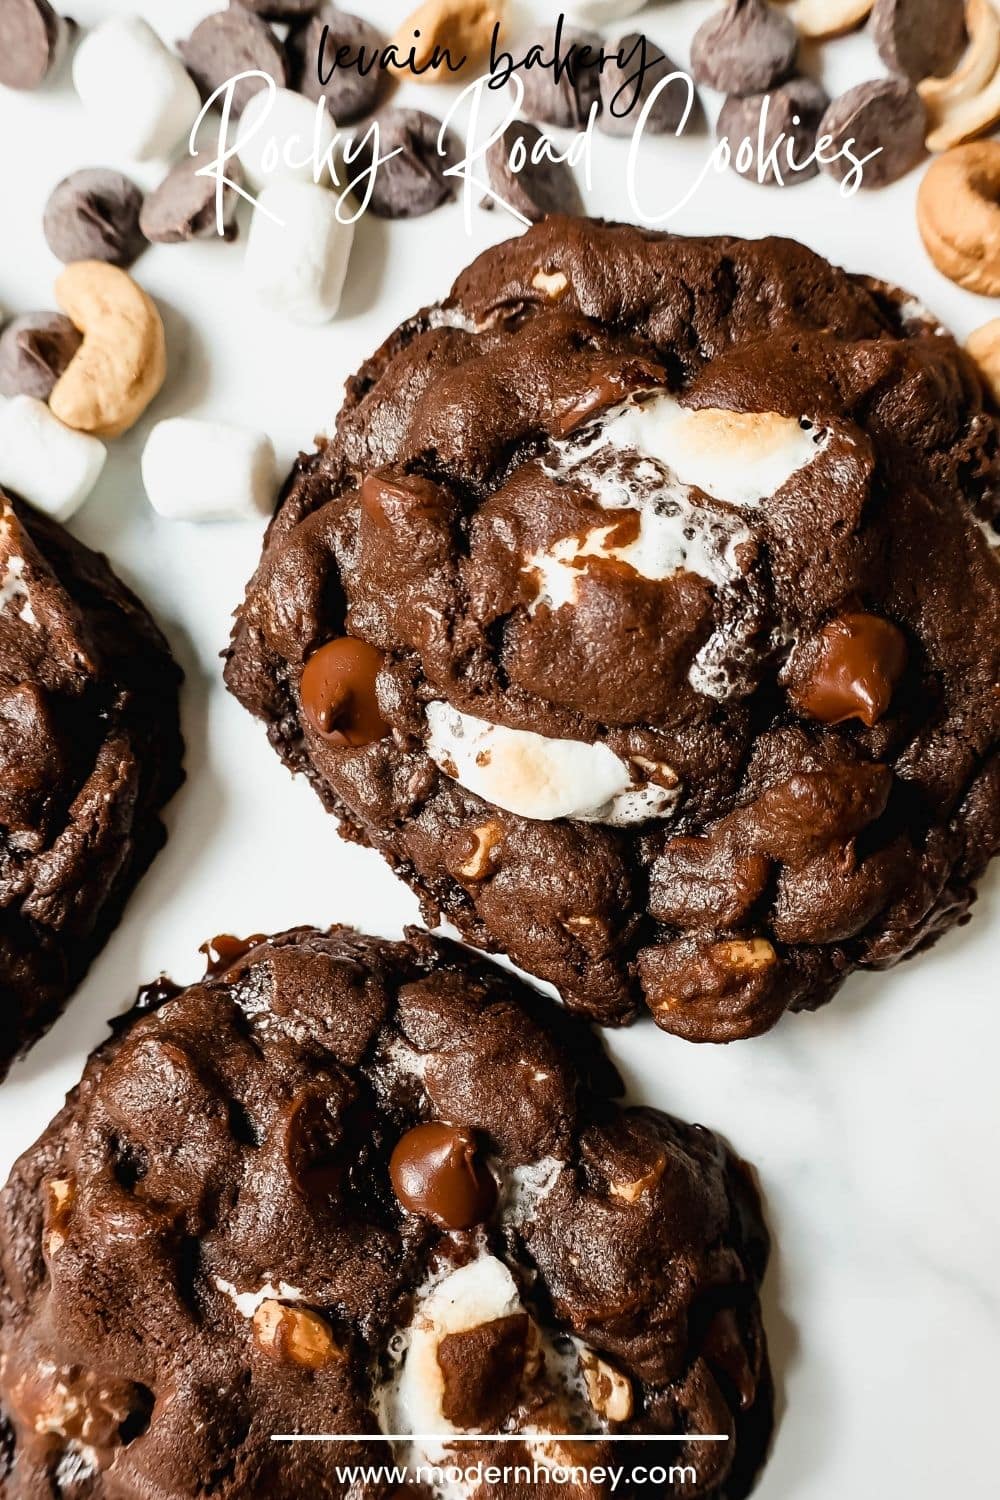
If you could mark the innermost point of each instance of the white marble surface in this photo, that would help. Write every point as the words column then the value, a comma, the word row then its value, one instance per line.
column 874, row 1124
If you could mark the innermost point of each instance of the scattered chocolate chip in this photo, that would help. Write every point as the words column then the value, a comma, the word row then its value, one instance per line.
column 338, row 691
column 784, row 153
column 886, row 116
column 525, row 177
column 34, row 351
column 850, row 671
column 919, row 38
column 412, row 182
column 746, row 48
column 93, row 214
column 635, row 70
column 33, row 41
column 277, row 10
column 567, row 97
column 231, row 42
column 335, row 57
column 183, row 207
column 436, row 1172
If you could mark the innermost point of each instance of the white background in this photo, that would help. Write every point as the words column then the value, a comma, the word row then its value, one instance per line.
column 873, row 1123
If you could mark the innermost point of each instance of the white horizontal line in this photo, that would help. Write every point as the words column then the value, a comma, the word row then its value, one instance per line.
column 499, row 1437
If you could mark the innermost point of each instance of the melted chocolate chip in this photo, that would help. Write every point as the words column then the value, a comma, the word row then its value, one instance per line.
column 858, row 661
column 223, row 951
column 436, row 1173
column 338, row 692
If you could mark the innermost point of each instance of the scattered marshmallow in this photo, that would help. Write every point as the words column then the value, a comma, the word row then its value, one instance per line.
column 138, row 89
column 298, row 250
column 46, row 463
column 285, row 137
column 537, row 777
column 208, row 471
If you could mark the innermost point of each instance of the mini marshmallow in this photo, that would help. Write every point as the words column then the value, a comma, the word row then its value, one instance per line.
column 298, row 250
column 208, row 471
column 139, row 91
column 285, row 137
column 46, row 463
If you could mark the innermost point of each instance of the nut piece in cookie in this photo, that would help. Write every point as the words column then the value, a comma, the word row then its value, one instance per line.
column 338, row 1290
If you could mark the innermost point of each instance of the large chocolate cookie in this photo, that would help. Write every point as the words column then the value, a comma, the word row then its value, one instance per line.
column 354, row 1187
column 676, row 620
column 90, row 751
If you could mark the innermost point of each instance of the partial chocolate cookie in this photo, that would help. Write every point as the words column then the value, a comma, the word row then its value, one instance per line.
column 745, row 48
column 35, row 349
column 412, row 181
column 93, row 214
column 606, row 520
column 772, row 137
column 350, row 1186
column 33, row 42
column 919, row 38
column 564, row 82
column 335, row 57
column 639, row 66
column 527, row 178
column 884, row 123
column 228, row 43
column 90, row 751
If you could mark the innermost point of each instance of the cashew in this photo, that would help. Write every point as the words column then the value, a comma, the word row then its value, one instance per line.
column 122, row 361
column 984, row 347
column 59, row 1194
column 975, row 68
column 756, row 953
column 295, row 1333
column 478, row 851
column 609, row 1391
column 552, row 283
column 632, row 1191
column 462, row 27
column 818, row 19
column 958, row 215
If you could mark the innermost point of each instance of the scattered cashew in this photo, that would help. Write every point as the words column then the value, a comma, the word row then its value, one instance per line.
column 984, row 346
column 122, row 361
column 958, row 215
column 975, row 68
column 463, row 27
column 818, row 20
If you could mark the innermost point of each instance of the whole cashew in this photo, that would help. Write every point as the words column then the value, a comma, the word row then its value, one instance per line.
column 464, row 27
column 122, row 361
column 958, row 215
column 819, row 19
column 967, row 102
column 984, row 346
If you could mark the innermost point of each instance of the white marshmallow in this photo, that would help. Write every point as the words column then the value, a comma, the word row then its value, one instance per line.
column 50, row 465
column 298, row 250
column 208, row 471
column 542, row 778
column 285, row 137
column 139, row 91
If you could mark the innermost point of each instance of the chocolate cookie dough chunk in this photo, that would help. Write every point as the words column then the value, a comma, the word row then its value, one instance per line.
column 358, row 1187
column 681, row 626
column 90, row 751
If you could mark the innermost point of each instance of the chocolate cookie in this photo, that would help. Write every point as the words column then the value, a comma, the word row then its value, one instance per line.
column 90, row 751
column 684, row 635
column 350, row 1186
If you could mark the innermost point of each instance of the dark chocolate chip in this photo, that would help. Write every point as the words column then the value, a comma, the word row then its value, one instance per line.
column 783, row 153
column 746, row 48
column 627, row 81
column 525, row 178
column 412, row 182
column 885, row 115
column 34, row 351
column 232, row 42
column 183, row 207
column 919, row 38
column 277, row 10
column 335, row 57
column 568, row 98
column 33, row 41
column 93, row 214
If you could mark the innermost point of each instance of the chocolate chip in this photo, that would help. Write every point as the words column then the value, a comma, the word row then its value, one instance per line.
column 746, row 48
column 850, row 671
column 784, row 152
column 919, row 38
column 525, row 178
column 34, row 351
column 33, row 41
column 232, row 42
column 338, row 691
column 436, row 1172
column 335, row 57
column 631, row 75
column 183, row 207
column 93, row 214
column 277, row 10
column 412, row 182
column 568, row 98
column 885, row 115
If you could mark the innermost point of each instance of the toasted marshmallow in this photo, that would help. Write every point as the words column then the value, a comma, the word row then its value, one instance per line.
column 298, row 251
column 537, row 777
column 46, row 463
column 285, row 137
column 208, row 471
column 140, row 92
